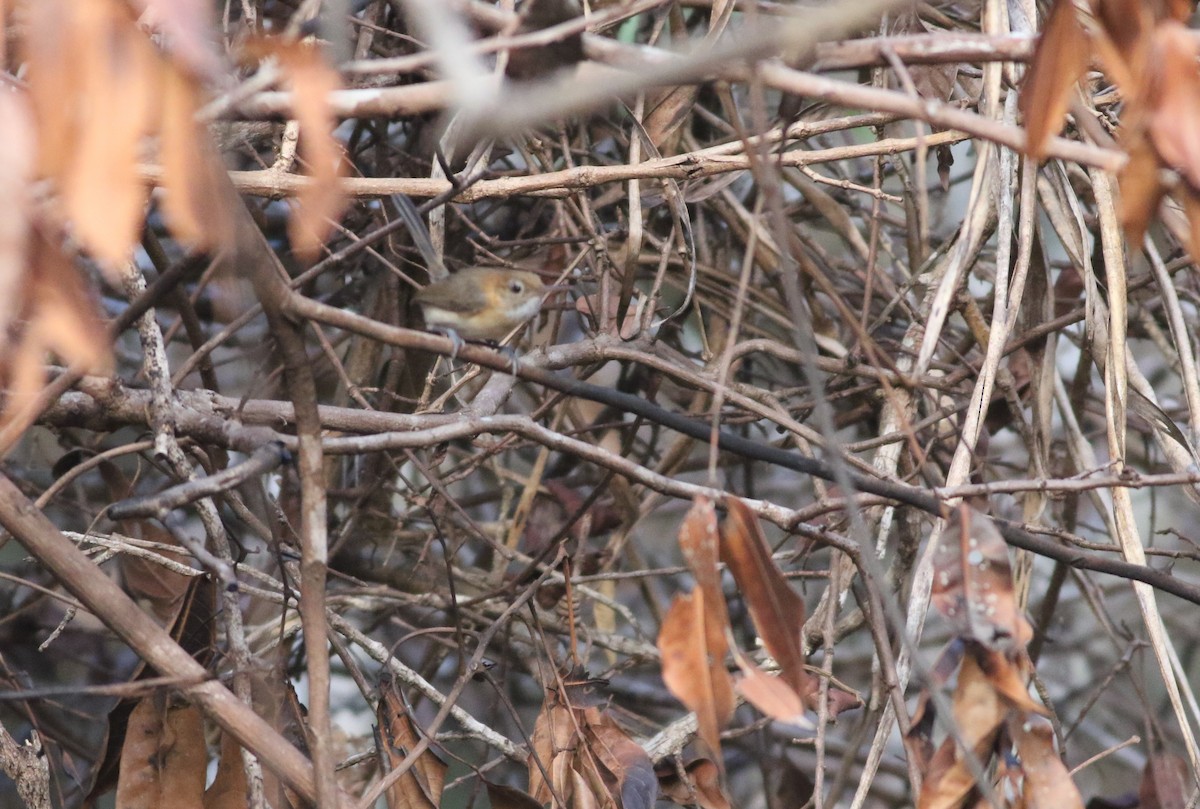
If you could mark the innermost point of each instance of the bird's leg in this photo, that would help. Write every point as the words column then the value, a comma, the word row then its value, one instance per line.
column 512, row 355
column 506, row 350
column 456, row 342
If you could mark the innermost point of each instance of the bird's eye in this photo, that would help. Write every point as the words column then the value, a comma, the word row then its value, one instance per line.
column 516, row 287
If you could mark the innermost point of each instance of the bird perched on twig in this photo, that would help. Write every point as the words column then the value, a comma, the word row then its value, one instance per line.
column 481, row 303
column 478, row 303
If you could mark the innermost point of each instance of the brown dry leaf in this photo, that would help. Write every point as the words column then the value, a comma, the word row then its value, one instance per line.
column 60, row 317
column 1125, row 28
column 49, row 48
column 919, row 739
column 1175, row 120
column 89, row 58
column 623, row 758
column 1068, row 291
column 163, row 759
column 556, row 505
column 157, row 589
column 701, row 787
column 699, row 542
column 502, row 797
column 693, row 635
column 1140, row 186
column 583, row 781
column 420, row 787
column 920, row 731
column 192, row 172
column 1190, row 199
column 705, row 778
column 17, row 160
column 1048, row 785
column 979, row 714
column 119, row 69
column 186, row 29
column 192, row 629
column 978, row 711
column 666, row 110
column 228, row 790
column 552, row 748
column 777, row 611
column 935, row 81
column 275, row 700
column 153, row 586
column 1007, row 677
column 1058, row 63
column 693, row 665
column 972, row 584
column 585, row 794
column 321, row 200
column 24, row 374
column 841, row 701
column 771, row 695
column 195, row 624
column 1165, row 783
column 947, row 783
column 1178, row 10
column 64, row 314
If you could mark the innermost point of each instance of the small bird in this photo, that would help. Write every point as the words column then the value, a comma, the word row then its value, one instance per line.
column 481, row 303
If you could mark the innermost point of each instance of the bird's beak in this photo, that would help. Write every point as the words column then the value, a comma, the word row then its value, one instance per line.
column 550, row 290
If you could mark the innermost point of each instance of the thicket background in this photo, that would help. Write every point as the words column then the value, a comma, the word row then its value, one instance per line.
column 811, row 226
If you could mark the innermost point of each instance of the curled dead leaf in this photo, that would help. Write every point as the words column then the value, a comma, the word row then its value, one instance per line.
column 979, row 714
column 555, row 738
column 103, row 193
column 1058, row 64
column 972, row 583
column 693, row 665
column 771, row 695
column 624, row 760
column 1165, row 783
column 17, row 159
column 1141, row 188
column 421, row 786
column 228, row 789
column 1125, row 28
column 192, row 183
column 1174, row 125
column 320, row 201
column 1047, row 784
column 59, row 317
column 700, row 785
column 1007, row 676
column 777, row 611
column 186, row 29
column 580, row 757
column 89, row 58
column 504, row 797
column 699, row 541
column 163, row 759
